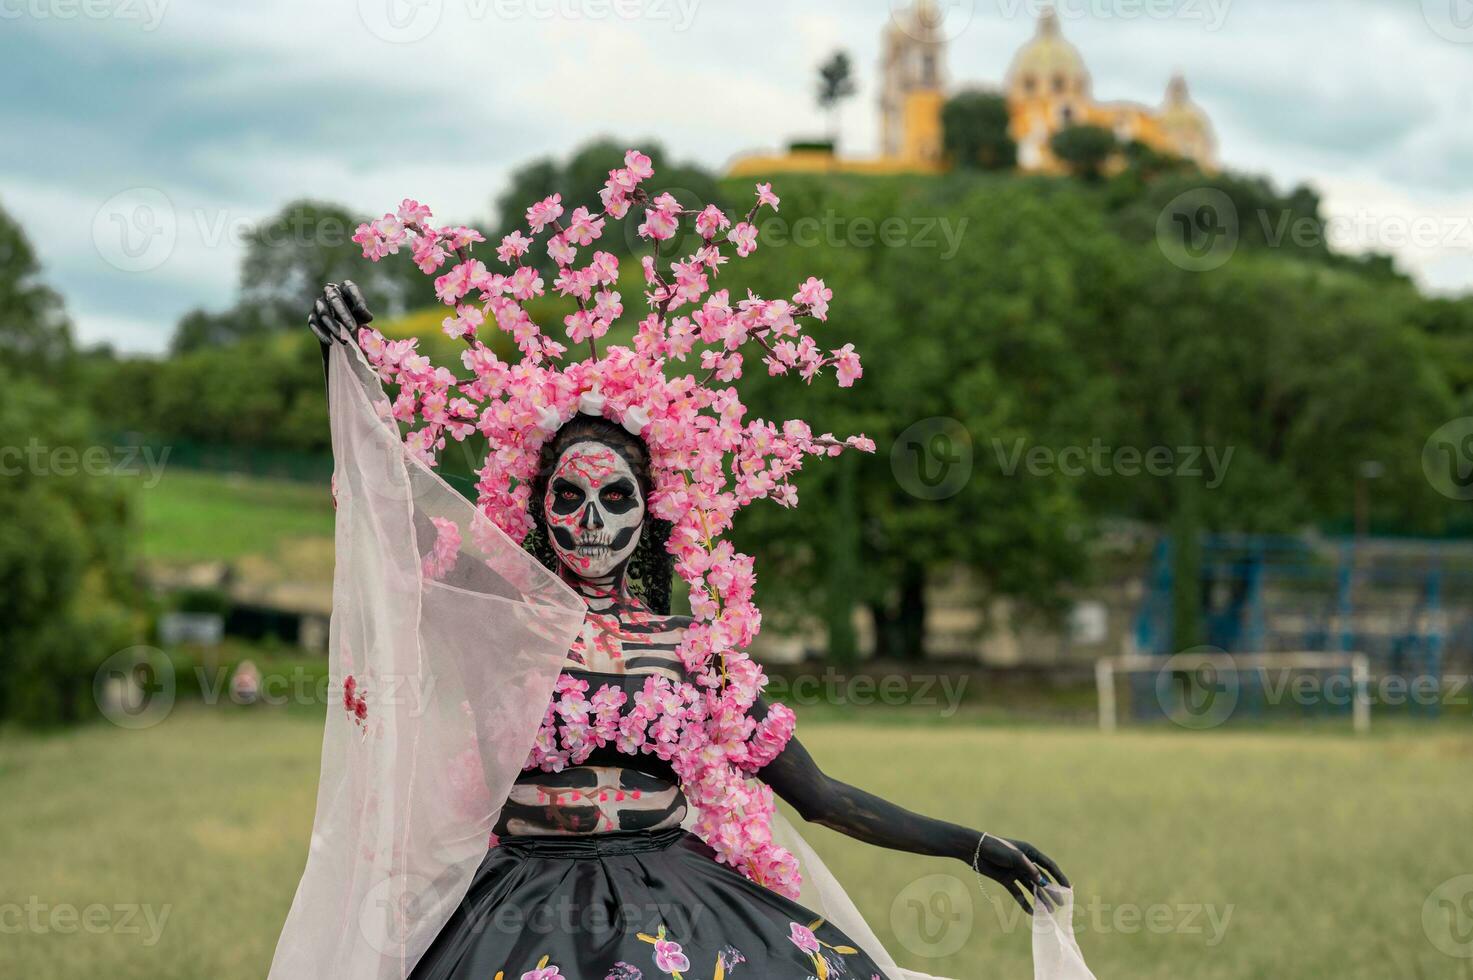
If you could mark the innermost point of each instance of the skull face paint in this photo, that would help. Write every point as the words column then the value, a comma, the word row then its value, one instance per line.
column 593, row 509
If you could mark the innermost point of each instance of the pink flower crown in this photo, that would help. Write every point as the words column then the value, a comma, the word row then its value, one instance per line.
column 708, row 459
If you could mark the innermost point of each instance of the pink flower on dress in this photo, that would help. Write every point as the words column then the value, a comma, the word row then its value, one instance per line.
column 803, row 938
column 670, row 957
column 546, row 973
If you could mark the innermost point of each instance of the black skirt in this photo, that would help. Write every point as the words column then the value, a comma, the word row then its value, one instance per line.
column 629, row 906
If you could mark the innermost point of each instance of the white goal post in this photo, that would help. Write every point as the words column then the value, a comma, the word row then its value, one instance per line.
column 1234, row 664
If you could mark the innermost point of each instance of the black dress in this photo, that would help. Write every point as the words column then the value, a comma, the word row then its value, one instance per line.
column 630, row 905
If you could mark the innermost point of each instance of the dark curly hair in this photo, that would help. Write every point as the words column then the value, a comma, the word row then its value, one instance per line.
column 650, row 567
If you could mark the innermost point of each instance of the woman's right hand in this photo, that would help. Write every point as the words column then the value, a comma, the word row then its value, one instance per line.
column 338, row 314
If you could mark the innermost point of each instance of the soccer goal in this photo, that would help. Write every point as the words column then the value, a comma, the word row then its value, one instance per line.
column 1203, row 690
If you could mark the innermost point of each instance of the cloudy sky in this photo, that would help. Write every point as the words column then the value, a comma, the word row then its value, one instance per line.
column 141, row 136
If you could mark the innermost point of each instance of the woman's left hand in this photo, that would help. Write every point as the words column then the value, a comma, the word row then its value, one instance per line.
column 1019, row 867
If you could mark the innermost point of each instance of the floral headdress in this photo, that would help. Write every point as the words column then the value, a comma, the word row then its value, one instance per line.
column 708, row 460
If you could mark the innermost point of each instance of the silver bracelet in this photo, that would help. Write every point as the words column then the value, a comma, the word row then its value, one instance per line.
column 977, row 857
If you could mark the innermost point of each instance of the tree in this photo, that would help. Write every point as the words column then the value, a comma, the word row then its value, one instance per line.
column 835, row 84
column 1084, row 149
column 63, row 574
column 993, row 358
column 975, row 131
column 202, row 330
column 35, row 334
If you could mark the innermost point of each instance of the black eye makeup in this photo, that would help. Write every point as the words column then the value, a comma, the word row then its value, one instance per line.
column 566, row 497
column 620, row 497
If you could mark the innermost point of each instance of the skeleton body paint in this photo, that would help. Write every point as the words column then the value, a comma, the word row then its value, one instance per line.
column 594, row 511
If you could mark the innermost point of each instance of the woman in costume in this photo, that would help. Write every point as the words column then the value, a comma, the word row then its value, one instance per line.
column 635, row 838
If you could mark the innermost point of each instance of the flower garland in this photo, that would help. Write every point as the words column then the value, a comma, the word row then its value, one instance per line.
column 708, row 460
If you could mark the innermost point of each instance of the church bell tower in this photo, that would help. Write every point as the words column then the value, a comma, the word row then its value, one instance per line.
column 912, row 82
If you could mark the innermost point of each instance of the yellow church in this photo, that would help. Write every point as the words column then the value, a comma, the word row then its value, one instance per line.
column 1047, row 87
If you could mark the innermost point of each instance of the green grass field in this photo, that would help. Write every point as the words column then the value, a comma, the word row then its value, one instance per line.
column 1286, row 855
column 195, row 516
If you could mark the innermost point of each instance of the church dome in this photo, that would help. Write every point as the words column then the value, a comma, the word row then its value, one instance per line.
column 1179, row 109
column 1048, row 66
column 1186, row 125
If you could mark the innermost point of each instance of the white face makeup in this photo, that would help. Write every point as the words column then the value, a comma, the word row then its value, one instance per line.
column 593, row 509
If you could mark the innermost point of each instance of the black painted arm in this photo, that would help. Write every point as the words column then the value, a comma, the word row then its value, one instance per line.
column 819, row 798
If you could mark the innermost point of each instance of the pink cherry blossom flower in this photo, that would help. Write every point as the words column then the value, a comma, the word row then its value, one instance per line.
column 411, row 212
column 846, row 365
column 744, row 236
column 765, row 196
column 815, row 295
column 466, row 320
column 711, row 222
column 429, row 253
column 513, row 247
column 659, row 225
column 525, row 283
column 639, row 165
column 544, row 212
column 584, row 228
column 560, row 251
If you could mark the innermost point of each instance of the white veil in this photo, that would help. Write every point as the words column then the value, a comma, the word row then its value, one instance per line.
column 446, row 642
